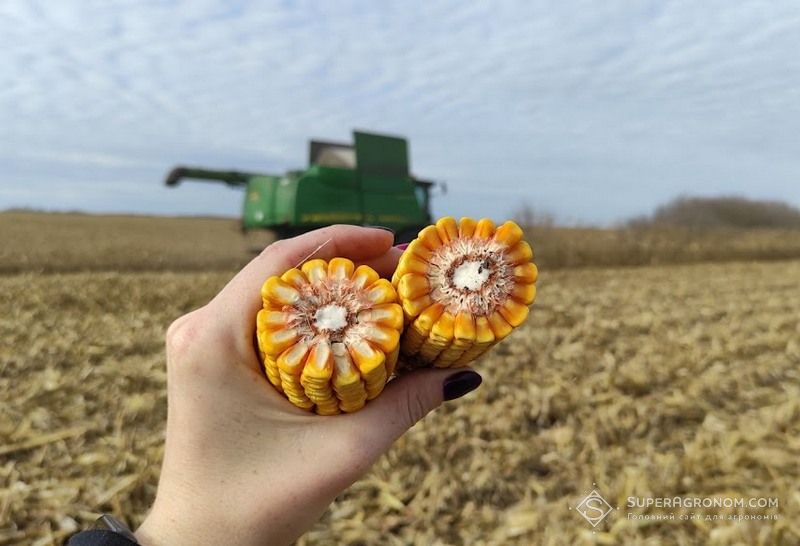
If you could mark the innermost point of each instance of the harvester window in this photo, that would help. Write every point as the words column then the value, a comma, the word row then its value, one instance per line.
column 332, row 154
column 422, row 197
column 337, row 157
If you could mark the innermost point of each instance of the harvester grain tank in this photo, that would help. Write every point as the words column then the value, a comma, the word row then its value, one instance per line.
column 367, row 183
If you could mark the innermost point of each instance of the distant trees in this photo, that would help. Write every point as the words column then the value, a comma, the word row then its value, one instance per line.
column 527, row 217
column 721, row 212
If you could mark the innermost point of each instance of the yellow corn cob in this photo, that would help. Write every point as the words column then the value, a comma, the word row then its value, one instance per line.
column 329, row 334
column 463, row 286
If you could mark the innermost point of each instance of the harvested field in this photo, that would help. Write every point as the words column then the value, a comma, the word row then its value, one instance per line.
column 664, row 381
column 68, row 242
column 46, row 243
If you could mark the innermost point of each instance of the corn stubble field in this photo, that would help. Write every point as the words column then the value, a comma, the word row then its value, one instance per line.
column 663, row 381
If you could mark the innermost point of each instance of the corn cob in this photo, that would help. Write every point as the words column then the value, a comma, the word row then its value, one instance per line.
column 328, row 334
column 464, row 286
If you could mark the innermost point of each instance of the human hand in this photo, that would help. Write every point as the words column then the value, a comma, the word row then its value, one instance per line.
column 242, row 465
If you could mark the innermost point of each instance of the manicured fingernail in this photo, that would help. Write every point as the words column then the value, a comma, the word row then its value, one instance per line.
column 384, row 228
column 459, row 384
column 402, row 246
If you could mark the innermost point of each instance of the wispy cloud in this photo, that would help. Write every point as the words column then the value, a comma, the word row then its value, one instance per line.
column 87, row 160
column 594, row 111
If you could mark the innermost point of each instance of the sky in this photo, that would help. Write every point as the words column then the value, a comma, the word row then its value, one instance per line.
column 589, row 112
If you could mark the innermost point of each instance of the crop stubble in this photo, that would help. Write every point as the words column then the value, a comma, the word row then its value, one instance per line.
column 69, row 242
column 669, row 381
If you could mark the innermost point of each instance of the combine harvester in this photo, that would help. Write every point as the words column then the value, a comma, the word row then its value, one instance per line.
column 365, row 183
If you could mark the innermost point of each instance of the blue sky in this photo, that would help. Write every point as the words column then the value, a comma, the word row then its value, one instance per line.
column 590, row 111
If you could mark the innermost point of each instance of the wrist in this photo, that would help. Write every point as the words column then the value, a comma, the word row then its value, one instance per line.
column 162, row 529
column 173, row 526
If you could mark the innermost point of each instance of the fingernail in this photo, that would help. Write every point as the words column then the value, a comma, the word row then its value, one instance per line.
column 384, row 228
column 459, row 384
column 402, row 246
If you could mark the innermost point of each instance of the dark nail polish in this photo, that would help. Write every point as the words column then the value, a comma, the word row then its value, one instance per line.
column 402, row 246
column 459, row 384
column 384, row 228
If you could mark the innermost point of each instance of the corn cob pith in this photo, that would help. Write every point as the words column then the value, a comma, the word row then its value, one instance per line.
column 328, row 334
column 464, row 286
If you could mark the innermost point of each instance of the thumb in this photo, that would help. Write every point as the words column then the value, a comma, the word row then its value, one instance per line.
column 409, row 398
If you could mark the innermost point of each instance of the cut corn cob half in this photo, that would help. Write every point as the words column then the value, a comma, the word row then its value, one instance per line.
column 329, row 334
column 464, row 286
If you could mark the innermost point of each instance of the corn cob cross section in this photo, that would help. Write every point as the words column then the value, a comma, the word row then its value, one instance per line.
column 328, row 334
column 464, row 286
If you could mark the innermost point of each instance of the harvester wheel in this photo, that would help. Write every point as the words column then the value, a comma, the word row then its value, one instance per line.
column 407, row 235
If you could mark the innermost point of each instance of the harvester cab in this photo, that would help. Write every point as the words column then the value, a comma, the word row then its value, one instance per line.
column 367, row 182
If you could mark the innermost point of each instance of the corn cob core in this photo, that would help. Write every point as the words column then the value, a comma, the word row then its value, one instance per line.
column 464, row 286
column 328, row 334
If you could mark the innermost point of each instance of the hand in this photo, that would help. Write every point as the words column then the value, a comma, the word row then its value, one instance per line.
column 241, row 464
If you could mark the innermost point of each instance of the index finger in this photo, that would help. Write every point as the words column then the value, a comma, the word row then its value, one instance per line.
column 239, row 301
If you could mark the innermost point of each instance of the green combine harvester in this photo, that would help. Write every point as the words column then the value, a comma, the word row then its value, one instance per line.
column 365, row 183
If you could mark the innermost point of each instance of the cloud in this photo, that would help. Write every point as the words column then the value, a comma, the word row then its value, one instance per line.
column 88, row 160
column 594, row 111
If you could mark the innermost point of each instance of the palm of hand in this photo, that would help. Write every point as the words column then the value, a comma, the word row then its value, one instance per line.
column 241, row 464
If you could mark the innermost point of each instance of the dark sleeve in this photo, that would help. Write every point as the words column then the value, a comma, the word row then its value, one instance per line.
column 99, row 537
